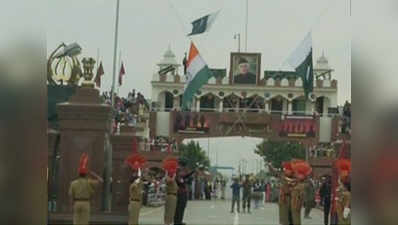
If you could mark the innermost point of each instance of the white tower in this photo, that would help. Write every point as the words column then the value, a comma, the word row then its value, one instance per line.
column 169, row 59
column 322, row 68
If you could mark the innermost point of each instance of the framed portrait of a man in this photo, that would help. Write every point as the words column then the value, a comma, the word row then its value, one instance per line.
column 245, row 68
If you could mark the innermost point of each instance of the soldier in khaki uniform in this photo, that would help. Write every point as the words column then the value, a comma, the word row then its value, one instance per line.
column 301, row 172
column 286, row 183
column 135, row 191
column 343, row 195
column 171, row 199
column 81, row 191
column 136, row 162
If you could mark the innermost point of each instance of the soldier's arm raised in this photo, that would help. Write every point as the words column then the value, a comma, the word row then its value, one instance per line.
column 272, row 170
column 97, row 177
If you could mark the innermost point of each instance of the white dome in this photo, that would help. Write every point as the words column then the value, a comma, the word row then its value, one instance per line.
column 169, row 58
column 322, row 63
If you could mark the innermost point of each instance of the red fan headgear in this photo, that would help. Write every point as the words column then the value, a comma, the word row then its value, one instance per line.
column 287, row 166
column 83, row 166
column 136, row 161
column 344, row 168
column 170, row 164
column 301, row 169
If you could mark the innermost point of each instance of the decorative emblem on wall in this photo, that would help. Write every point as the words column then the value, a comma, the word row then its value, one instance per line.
column 221, row 94
column 175, row 91
column 290, row 95
column 312, row 97
column 63, row 66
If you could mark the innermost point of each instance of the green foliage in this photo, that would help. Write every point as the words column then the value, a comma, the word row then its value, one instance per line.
column 193, row 155
column 277, row 152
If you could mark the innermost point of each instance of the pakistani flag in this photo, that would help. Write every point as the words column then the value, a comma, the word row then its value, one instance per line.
column 203, row 24
column 301, row 61
column 198, row 74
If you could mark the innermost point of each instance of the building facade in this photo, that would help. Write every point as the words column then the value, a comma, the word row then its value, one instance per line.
column 277, row 92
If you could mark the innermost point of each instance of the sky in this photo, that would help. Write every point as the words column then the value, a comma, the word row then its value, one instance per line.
column 148, row 27
column 275, row 27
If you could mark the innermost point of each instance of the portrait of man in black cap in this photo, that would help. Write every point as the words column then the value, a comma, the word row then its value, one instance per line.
column 243, row 69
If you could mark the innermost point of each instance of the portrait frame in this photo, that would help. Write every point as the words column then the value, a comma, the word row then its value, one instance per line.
column 254, row 61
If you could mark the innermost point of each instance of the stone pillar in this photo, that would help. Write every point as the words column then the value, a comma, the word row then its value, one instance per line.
column 266, row 106
column 289, row 107
column 312, row 107
column 198, row 105
column 176, row 102
column 121, row 173
column 84, row 126
column 221, row 105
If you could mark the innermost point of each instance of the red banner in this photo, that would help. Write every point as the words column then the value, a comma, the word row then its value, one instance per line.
column 298, row 128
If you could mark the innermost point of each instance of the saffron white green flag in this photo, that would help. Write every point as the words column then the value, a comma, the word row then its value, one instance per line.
column 198, row 74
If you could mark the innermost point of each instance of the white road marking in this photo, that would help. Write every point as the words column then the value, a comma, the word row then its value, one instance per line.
column 236, row 219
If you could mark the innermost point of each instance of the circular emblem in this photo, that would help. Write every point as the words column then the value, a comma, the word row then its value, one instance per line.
column 312, row 97
column 267, row 95
column 175, row 91
column 221, row 93
column 290, row 95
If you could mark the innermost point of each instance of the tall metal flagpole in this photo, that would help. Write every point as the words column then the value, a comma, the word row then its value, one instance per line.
column 247, row 21
column 108, row 194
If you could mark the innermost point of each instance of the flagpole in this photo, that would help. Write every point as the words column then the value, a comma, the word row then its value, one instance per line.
column 108, row 194
column 247, row 21
column 115, row 51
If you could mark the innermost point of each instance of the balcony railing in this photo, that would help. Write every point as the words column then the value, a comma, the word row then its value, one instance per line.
column 248, row 110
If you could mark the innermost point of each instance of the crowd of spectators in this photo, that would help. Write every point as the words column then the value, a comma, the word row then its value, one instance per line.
column 127, row 110
column 346, row 120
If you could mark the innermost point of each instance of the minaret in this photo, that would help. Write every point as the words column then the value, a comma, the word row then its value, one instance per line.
column 322, row 68
column 169, row 59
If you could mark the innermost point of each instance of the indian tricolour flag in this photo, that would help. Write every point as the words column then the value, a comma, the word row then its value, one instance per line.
column 198, row 74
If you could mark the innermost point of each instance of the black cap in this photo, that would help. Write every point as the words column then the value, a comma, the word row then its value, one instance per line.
column 243, row 60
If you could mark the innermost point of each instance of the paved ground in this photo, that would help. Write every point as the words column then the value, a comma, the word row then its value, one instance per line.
column 214, row 212
column 217, row 212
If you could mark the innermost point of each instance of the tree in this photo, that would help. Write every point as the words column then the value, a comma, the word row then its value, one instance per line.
column 193, row 155
column 277, row 152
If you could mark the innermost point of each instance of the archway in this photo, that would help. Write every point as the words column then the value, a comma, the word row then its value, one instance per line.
column 299, row 105
column 168, row 101
column 230, row 102
column 277, row 104
column 322, row 104
column 208, row 103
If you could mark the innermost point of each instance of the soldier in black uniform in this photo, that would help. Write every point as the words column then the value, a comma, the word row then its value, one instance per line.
column 182, row 180
column 325, row 193
column 244, row 76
